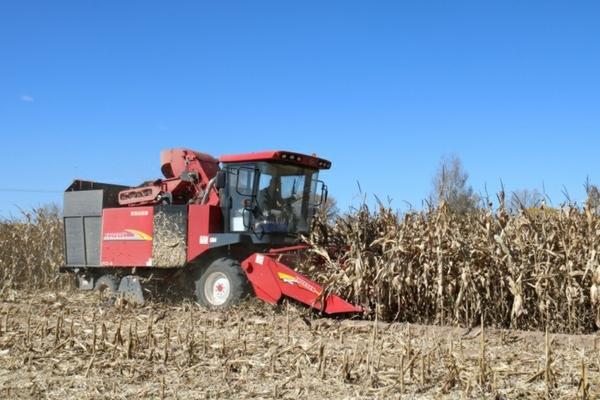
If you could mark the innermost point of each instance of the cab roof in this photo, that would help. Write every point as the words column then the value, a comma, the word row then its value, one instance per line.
column 282, row 156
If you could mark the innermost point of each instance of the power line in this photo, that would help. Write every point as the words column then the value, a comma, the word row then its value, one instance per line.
column 29, row 190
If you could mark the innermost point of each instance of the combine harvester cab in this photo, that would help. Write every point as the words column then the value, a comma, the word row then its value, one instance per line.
column 218, row 225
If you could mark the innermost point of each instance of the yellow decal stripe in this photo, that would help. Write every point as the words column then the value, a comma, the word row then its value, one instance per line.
column 140, row 234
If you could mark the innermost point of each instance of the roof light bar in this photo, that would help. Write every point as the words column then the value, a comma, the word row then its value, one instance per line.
column 312, row 161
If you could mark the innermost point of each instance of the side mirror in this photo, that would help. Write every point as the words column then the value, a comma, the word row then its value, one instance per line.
column 220, row 180
column 321, row 198
column 247, row 217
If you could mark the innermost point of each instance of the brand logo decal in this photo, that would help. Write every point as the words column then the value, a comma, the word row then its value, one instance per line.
column 139, row 213
column 128, row 234
column 297, row 281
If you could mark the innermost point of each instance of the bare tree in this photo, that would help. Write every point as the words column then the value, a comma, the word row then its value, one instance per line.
column 526, row 198
column 329, row 210
column 593, row 196
column 450, row 186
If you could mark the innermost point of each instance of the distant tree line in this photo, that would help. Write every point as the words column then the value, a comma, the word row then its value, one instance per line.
column 451, row 189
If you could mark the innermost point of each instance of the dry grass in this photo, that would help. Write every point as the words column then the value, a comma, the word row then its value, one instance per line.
column 537, row 269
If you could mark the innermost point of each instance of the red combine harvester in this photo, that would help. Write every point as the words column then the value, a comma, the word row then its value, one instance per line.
column 222, row 224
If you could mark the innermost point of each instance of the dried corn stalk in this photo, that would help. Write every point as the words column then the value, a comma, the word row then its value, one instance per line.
column 31, row 250
column 537, row 268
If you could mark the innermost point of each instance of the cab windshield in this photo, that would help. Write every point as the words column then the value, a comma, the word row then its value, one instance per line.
column 283, row 198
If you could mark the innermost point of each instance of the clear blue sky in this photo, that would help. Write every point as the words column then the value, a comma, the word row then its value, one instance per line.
column 94, row 89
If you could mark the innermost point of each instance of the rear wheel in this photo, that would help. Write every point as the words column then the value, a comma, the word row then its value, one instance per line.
column 221, row 285
column 107, row 286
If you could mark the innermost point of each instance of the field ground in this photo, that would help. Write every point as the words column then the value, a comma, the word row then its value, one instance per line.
column 74, row 345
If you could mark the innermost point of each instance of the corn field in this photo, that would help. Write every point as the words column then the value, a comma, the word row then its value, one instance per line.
column 534, row 270
column 31, row 250
column 537, row 269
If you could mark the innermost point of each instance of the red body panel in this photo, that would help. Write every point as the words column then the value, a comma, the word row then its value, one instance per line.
column 202, row 221
column 127, row 236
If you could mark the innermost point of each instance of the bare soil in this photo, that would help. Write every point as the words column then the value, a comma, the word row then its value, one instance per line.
column 61, row 345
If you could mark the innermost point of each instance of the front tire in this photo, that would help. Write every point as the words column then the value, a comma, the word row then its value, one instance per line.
column 221, row 285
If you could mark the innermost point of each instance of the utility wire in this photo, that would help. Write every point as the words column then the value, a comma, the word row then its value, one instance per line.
column 29, row 190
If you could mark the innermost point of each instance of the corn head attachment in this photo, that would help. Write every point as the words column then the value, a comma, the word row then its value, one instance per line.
column 272, row 280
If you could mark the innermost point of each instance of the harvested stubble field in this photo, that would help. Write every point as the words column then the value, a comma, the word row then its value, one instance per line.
column 60, row 345
column 535, row 270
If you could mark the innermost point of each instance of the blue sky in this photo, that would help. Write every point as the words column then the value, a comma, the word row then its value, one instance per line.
column 384, row 89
